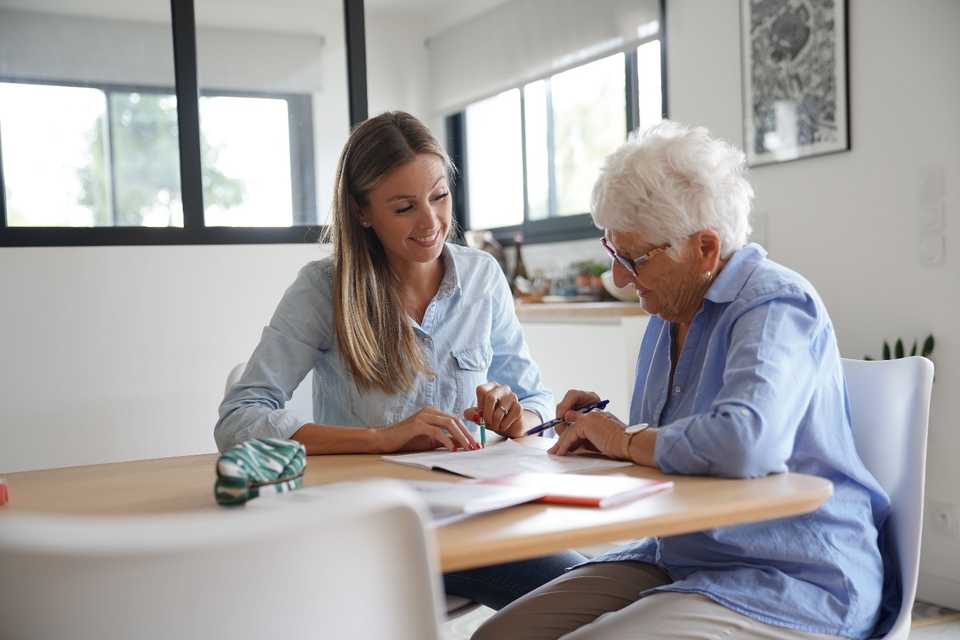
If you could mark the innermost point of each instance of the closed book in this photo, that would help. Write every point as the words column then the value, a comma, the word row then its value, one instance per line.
column 585, row 490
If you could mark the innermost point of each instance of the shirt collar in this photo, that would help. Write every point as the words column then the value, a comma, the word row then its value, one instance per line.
column 450, row 283
column 734, row 275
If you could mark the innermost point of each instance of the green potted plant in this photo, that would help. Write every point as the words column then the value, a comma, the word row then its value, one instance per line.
column 898, row 350
column 588, row 277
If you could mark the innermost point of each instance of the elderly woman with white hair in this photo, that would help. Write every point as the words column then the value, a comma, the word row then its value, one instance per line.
column 738, row 376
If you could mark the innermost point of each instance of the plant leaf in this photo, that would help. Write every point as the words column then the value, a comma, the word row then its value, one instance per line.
column 886, row 350
column 927, row 346
column 913, row 351
column 898, row 348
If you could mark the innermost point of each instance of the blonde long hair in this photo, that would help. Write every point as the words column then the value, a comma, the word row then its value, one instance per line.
column 375, row 337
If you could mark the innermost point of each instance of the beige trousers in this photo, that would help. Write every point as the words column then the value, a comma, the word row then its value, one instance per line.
column 599, row 602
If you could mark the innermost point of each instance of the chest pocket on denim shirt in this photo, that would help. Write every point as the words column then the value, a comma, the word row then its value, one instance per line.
column 470, row 368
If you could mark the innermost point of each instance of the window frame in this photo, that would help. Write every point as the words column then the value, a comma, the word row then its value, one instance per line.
column 555, row 228
column 194, row 230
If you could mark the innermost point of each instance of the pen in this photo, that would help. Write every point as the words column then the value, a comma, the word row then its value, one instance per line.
column 483, row 432
column 587, row 408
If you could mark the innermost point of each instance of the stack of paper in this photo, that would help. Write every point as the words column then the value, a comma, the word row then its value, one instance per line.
column 453, row 501
column 504, row 458
column 583, row 490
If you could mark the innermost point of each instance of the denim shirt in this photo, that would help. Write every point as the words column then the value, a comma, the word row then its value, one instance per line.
column 469, row 335
column 759, row 389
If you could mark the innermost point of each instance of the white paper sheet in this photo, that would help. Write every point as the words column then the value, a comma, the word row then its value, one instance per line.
column 453, row 501
column 503, row 458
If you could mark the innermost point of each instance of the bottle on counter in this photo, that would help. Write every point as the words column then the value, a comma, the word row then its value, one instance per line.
column 519, row 279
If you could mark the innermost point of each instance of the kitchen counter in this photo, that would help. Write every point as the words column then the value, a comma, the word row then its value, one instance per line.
column 577, row 312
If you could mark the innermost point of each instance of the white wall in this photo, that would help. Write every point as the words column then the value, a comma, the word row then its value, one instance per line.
column 397, row 64
column 850, row 221
column 120, row 353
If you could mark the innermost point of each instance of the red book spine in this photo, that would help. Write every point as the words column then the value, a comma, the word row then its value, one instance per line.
column 572, row 500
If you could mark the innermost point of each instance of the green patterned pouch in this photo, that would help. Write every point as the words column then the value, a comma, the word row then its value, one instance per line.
column 261, row 466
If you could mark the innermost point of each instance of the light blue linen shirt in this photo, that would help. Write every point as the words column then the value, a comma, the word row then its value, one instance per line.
column 469, row 335
column 759, row 389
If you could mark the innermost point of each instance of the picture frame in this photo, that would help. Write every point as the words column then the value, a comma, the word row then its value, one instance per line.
column 796, row 97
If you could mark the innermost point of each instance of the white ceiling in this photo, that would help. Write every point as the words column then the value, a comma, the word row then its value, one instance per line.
column 299, row 16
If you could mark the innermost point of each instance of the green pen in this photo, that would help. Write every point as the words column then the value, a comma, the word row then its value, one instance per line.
column 483, row 432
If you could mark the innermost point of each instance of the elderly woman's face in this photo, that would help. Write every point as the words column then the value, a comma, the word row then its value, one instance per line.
column 669, row 287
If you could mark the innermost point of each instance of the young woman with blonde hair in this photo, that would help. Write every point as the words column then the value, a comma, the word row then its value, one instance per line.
column 405, row 333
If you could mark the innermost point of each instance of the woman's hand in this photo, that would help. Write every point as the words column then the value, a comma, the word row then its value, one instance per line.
column 428, row 428
column 571, row 400
column 598, row 430
column 500, row 409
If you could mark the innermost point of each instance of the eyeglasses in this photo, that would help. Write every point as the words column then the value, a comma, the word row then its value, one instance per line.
column 632, row 264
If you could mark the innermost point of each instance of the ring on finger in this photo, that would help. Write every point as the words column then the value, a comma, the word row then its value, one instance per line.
column 503, row 409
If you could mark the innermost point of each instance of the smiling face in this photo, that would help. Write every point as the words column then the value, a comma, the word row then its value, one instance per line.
column 410, row 211
column 672, row 288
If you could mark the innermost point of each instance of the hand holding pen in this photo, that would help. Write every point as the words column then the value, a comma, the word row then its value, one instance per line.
column 574, row 400
column 497, row 409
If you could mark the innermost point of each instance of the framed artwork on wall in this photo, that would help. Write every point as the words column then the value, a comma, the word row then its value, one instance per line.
column 795, row 90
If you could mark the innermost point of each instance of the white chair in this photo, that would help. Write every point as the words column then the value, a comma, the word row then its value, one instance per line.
column 302, row 404
column 349, row 561
column 889, row 411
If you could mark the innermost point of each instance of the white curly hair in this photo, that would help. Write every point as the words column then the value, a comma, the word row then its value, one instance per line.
column 671, row 181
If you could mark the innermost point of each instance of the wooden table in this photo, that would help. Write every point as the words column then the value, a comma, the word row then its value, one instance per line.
column 185, row 484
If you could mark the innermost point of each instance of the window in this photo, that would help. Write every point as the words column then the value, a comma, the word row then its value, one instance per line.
column 115, row 152
column 494, row 149
column 248, row 171
column 547, row 140
column 589, row 121
column 50, row 137
column 106, row 137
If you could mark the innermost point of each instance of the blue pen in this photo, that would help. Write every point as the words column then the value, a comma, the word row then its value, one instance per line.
column 587, row 408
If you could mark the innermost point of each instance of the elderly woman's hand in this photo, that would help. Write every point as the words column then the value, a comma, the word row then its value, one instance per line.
column 597, row 430
column 571, row 400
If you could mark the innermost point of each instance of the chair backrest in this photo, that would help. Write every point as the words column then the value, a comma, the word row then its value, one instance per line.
column 352, row 561
column 889, row 412
column 301, row 403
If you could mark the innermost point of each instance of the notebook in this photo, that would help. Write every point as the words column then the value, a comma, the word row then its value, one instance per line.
column 505, row 458
column 583, row 490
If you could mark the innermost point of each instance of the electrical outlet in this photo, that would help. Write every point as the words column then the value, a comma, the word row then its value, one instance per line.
column 945, row 518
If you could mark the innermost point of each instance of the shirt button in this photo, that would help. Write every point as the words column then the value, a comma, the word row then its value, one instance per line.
column 744, row 412
column 676, row 389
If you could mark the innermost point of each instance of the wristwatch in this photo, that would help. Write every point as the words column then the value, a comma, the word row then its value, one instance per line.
column 628, row 434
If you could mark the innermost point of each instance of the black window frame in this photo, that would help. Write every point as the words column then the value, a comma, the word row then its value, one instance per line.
column 194, row 231
column 555, row 228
